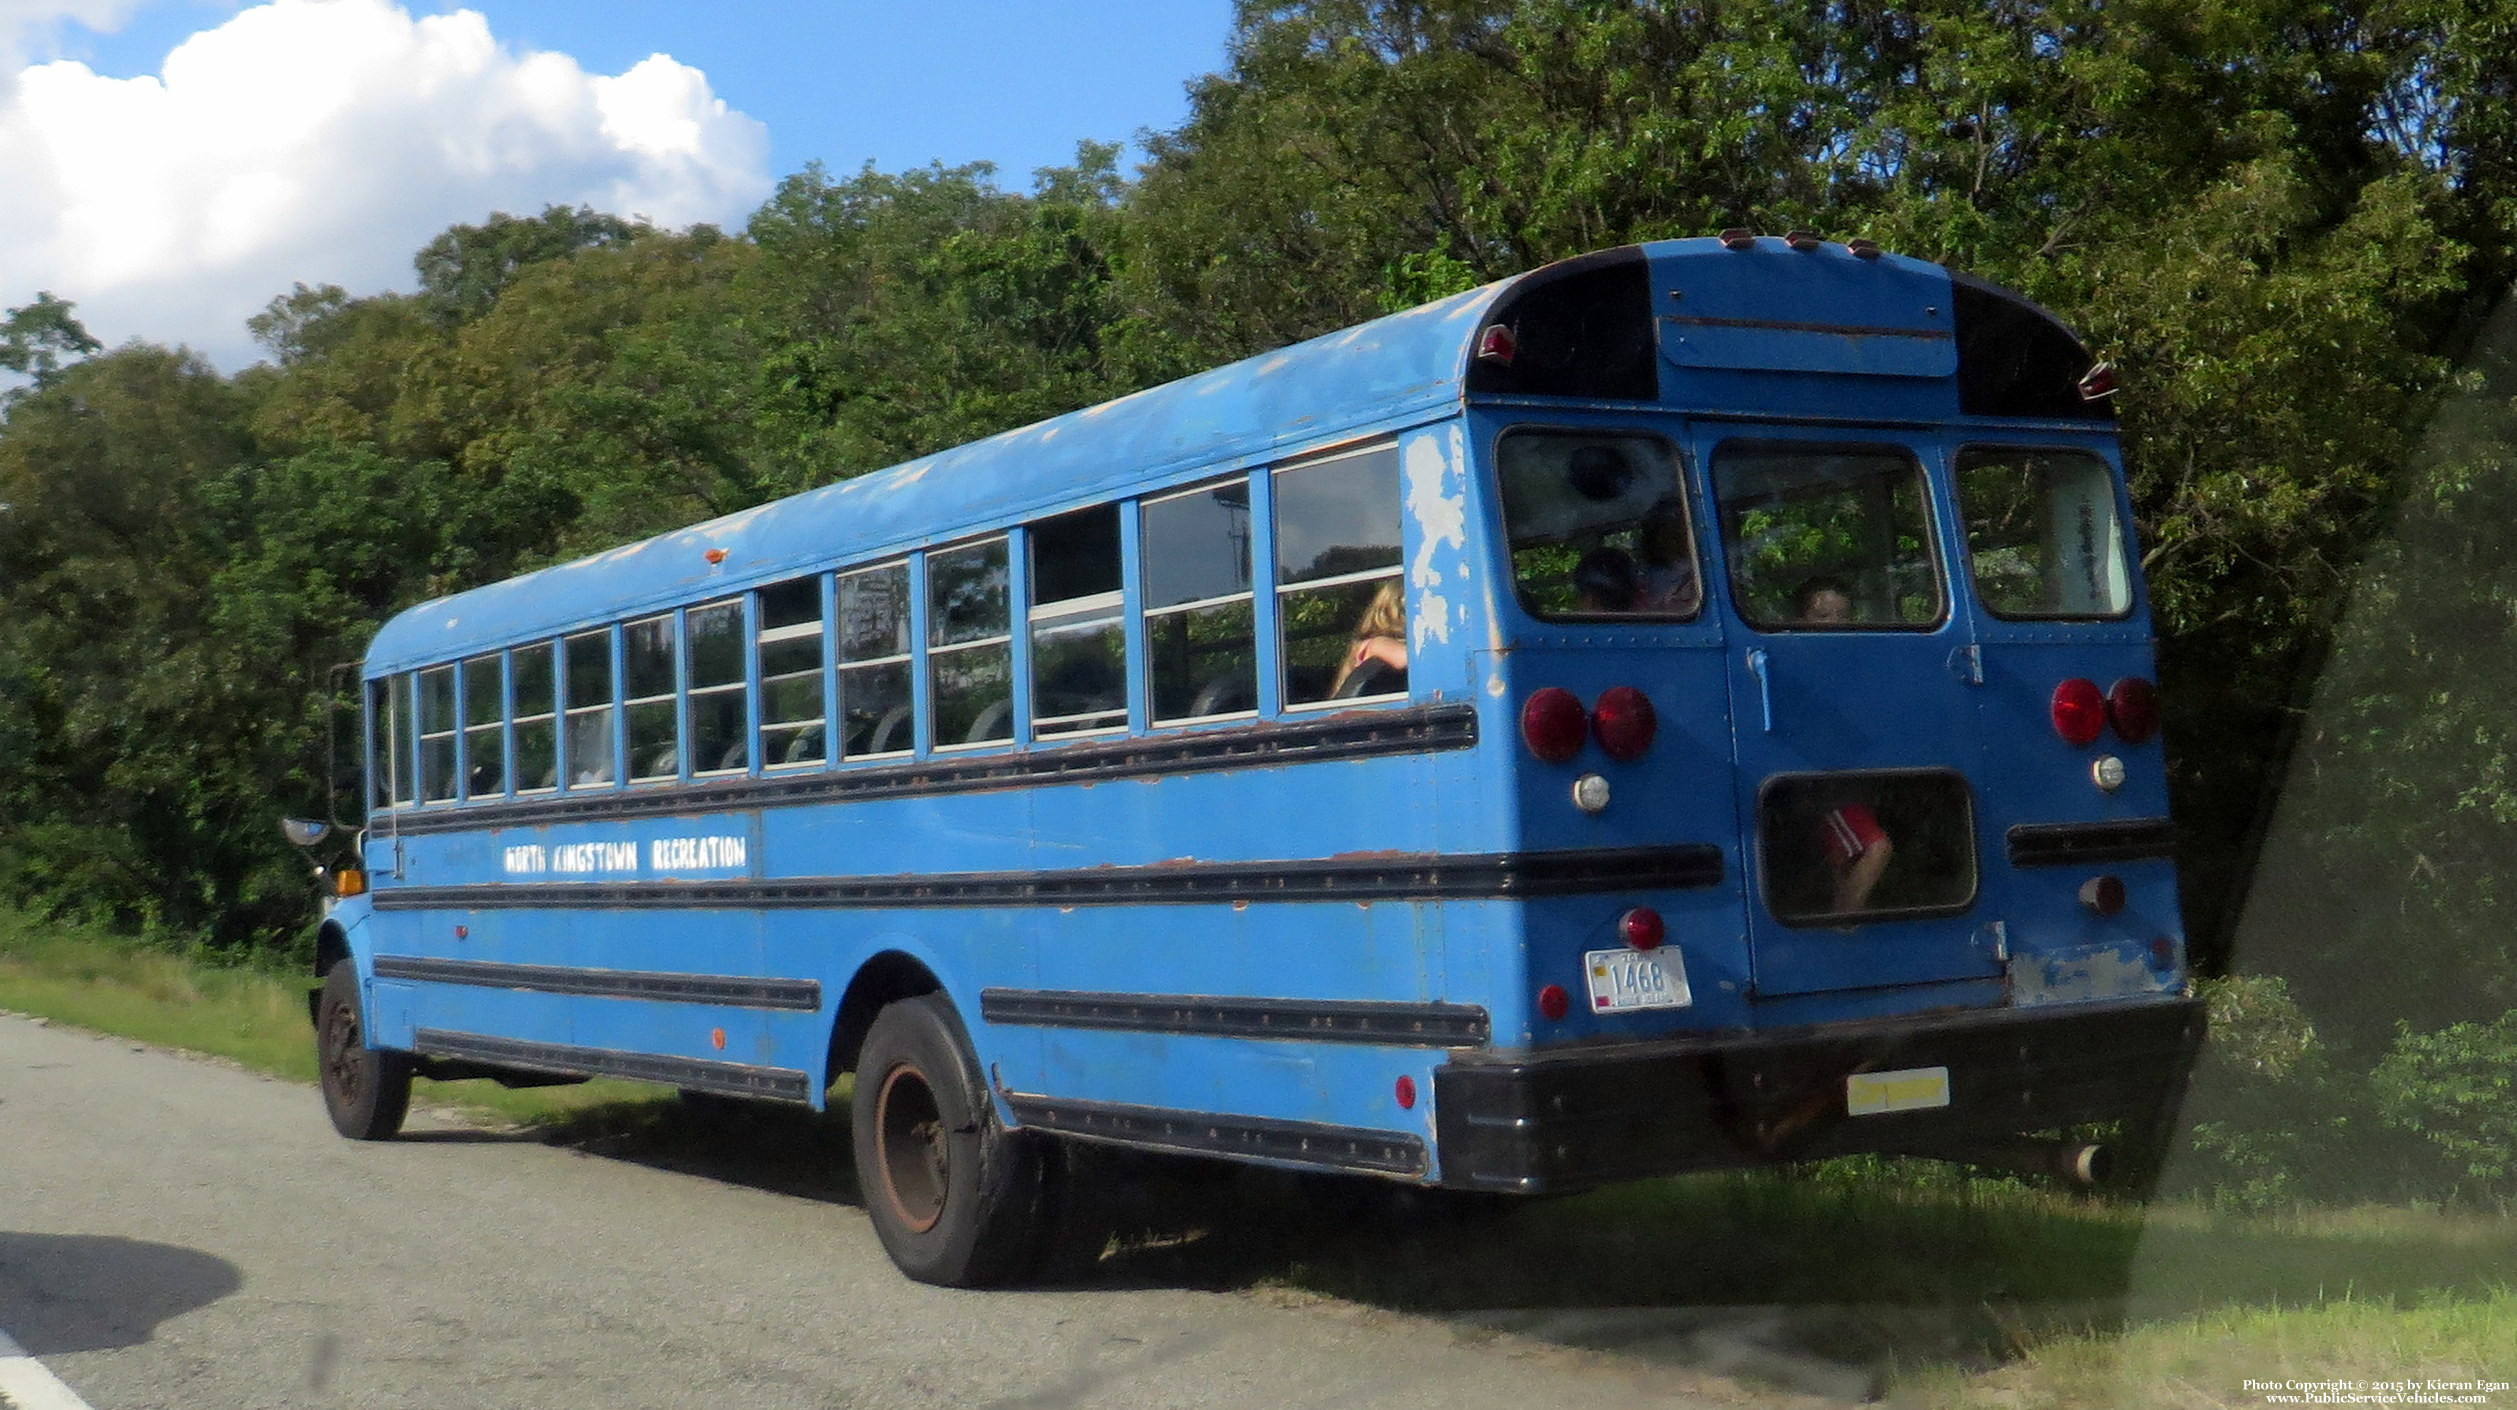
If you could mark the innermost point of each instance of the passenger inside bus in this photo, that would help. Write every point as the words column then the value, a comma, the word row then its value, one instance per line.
column 1604, row 580
column 1376, row 657
column 1857, row 850
column 1667, row 580
column 1822, row 601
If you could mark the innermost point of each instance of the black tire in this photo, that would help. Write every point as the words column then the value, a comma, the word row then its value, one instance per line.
column 367, row 1091
column 956, row 1198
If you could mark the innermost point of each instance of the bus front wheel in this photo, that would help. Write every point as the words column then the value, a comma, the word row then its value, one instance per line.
column 366, row 1090
column 956, row 1198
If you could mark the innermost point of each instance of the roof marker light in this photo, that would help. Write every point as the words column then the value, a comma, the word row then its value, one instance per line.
column 1739, row 237
column 1862, row 249
column 1497, row 345
column 1802, row 240
column 714, row 555
column 2099, row 383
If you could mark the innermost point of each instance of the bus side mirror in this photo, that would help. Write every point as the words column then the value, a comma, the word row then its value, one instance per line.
column 304, row 832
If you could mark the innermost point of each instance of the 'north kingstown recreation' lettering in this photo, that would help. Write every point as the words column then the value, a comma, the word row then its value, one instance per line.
column 663, row 854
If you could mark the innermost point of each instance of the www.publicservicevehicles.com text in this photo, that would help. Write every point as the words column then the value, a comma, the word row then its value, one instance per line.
column 2405, row 1392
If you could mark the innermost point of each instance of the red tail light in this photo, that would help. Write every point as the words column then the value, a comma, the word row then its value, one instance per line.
column 1624, row 722
column 2132, row 706
column 1496, row 344
column 2079, row 712
column 1554, row 724
column 1642, row 927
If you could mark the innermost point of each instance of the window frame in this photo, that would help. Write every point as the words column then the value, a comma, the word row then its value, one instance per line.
column 1932, row 529
column 1148, row 614
column 911, row 659
column 1280, row 589
column 2127, row 555
column 1690, row 496
column 1007, row 639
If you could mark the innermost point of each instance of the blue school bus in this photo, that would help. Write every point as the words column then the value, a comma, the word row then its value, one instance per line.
column 1684, row 707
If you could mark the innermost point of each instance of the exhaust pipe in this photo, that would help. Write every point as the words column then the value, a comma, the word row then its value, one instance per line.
column 2080, row 1165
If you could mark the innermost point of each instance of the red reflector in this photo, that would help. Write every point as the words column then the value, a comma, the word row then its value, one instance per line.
column 1553, row 724
column 1406, row 1094
column 2132, row 706
column 1624, row 722
column 2099, row 384
column 1642, row 928
column 2103, row 894
column 2079, row 712
column 1552, row 1002
column 1497, row 344
column 2163, row 953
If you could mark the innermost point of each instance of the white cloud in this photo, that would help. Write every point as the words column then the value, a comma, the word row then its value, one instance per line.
column 325, row 141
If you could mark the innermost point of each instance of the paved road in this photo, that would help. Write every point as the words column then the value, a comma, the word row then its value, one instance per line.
column 177, row 1233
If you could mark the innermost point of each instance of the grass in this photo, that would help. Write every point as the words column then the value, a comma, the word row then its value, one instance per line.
column 253, row 1014
column 1904, row 1278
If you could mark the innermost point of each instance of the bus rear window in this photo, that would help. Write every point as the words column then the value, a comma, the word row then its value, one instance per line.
column 1837, row 849
column 1828, row 538
column 2042, row 538
column 1598, row 524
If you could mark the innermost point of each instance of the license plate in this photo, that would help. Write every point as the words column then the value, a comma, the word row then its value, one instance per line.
column 1913, row 1089
column 1636, row 979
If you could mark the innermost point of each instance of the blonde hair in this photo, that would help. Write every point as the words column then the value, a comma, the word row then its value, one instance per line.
column 1384, row 616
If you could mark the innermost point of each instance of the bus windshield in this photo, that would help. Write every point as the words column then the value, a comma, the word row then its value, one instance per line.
column 1598, row 525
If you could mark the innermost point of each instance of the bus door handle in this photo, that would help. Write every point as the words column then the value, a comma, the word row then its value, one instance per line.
column 1967, row 663
column 1765, row 684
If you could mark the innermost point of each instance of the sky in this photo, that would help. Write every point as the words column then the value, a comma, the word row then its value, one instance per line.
column 170, row 166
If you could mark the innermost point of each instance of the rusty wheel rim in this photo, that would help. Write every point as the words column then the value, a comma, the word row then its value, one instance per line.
column 909, row 1154
column 341, row 1074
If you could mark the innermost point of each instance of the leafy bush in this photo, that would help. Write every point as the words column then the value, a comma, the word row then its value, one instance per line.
column 2457, row 1086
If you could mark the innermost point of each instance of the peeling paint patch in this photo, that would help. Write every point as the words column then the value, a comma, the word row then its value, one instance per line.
column 2082, row 973
column 1437, row 498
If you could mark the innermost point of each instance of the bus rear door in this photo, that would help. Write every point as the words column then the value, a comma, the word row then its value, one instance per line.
column 1854, row 673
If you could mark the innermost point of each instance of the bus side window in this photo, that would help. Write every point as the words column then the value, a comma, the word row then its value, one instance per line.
column 969, row 646
column 537, row 743
column 484, row 727
column 590, row 749
column 647, row 680
column 1342, row 609
column 712, row 637
column 1078, row 646
column 790, row 646
column 437, row 734
column 1201, row 638
column 874, row 695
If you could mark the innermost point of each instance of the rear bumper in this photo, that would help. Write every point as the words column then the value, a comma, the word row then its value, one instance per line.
column 1570, row 1119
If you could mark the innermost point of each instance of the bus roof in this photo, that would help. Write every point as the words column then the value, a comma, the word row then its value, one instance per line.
column 1809, row 312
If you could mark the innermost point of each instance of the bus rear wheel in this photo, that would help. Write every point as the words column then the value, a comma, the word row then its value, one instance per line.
column 366, row 1090
column 956, row 1198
